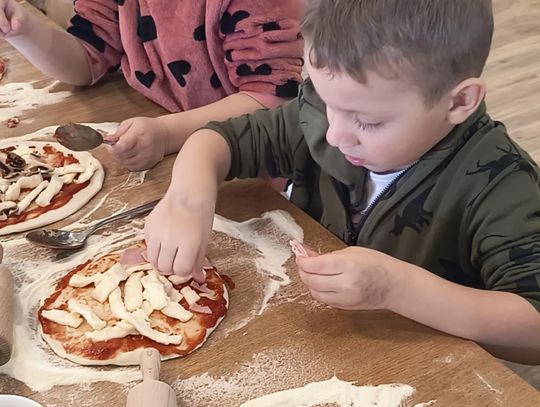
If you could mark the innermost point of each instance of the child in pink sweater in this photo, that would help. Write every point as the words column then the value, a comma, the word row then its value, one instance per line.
column 206, row 60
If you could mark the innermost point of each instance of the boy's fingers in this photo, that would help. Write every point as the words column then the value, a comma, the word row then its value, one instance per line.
column 326, row 297
column 5, row 25
column 324, row 264
column 166, row 259
column 319, row 282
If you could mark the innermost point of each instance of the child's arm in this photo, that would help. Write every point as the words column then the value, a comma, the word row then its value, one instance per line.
column 177, row 230
column 504, row 323
column 359, row 278
column 52, row 51
column 143, row 142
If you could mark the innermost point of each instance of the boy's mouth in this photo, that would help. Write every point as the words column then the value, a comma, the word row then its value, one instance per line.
column 357, row 162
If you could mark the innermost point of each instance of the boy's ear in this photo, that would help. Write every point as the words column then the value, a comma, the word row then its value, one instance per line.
column 465, row 99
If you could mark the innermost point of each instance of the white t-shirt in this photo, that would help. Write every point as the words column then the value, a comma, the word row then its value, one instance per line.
column 375, row 185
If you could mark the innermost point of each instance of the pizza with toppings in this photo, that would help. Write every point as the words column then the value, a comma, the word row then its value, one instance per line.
column 43, row 182
column 109, row 310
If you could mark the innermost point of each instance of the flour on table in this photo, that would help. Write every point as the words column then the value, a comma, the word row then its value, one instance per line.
column 260, row 383
column 16, row 97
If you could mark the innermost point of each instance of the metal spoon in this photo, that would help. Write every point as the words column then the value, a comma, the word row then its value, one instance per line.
column 75, row 239
column 78, row 137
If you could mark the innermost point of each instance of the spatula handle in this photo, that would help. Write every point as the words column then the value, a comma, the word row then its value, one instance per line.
column 150, row 364
column 6, row 314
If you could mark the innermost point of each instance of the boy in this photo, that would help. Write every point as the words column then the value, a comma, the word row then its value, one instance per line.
column 390, row 148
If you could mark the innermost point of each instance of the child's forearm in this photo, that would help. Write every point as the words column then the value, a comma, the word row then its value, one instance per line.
column 54, row 52
column 181, row 125
column 503, row 322
column 201, row 165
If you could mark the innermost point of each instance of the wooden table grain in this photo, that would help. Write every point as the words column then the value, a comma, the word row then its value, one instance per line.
column 366, row 347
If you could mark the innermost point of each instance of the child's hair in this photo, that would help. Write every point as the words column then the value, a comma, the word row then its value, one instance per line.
column 435, row 43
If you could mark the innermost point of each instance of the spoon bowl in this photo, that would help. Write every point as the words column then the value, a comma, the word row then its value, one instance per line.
column 78, row 137
column 75, row 239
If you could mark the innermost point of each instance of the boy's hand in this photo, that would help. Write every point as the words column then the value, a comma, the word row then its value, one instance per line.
column 141, row 143
column 177, row 233
column 354, row 278
column 12, row 18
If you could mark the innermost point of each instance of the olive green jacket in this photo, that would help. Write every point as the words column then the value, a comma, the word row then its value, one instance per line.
column 468, row 211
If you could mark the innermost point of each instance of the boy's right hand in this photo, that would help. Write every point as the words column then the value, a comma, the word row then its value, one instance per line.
column 177, row 233
column 13, row 17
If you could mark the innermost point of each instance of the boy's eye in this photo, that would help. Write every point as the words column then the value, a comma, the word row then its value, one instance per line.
column 366, row 126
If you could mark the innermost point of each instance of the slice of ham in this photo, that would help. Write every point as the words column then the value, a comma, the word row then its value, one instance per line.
column 203, row 288
column 203, row 309
column 298, row 249
column 133, row 257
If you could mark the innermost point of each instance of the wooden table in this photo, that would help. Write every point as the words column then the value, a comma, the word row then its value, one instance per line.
column 307, row 342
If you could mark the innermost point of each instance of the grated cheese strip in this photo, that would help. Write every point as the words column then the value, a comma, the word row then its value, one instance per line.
column 90, row 316
column 87, row 174
column 176, row 311
column 27, row 200
column 45, row 197
column 14, row 190
column 120, row 330
column 133, row 291
column 140, row 321
column 139, row 267
column 69, row 169
column 118, row 308
column 190, row 295
column 154, row 290
column 62, row 317
column 111, row 279
column 82, row 281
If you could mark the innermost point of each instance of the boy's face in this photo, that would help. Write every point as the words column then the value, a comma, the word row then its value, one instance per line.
column 382, row 125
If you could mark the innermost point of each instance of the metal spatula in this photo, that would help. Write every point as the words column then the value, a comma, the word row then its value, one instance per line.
column 151, row 392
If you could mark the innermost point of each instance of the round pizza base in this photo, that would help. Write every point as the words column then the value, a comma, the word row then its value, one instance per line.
column 128, row 358
column 76, row 202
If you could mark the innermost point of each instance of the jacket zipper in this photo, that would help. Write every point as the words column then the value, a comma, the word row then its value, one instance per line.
column 354, row 230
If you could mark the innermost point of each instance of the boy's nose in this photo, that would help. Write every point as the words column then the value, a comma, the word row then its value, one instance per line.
column 338, row 136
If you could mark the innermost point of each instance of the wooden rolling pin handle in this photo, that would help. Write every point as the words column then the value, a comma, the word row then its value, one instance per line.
column 6, row 314
column 150, row 364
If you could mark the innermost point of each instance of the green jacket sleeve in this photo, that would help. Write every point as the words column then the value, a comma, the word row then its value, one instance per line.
column 263, row 143
column 504, row 227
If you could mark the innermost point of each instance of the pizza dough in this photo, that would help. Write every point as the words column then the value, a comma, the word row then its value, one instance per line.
column 43, row 182
column 109, row 310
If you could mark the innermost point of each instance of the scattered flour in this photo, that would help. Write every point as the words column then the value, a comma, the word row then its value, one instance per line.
column 17, row 97
column 258, row 383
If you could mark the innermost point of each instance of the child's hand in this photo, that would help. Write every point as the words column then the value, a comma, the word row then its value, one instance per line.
column 12, row 18
column 177, row 233
column 142, row 142
column 352, row 278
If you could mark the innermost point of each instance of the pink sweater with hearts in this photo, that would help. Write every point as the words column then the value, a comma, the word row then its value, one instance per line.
column 184, row 54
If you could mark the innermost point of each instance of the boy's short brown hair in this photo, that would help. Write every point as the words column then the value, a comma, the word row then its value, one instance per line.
column 436, row 43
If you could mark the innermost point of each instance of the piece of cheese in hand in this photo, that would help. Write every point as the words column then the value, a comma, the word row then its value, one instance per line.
column 111, row 279
column 154, row 290
column 93, row 320
column 62, row 317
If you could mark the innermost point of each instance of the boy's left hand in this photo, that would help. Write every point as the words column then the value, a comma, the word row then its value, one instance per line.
column 354, row 278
